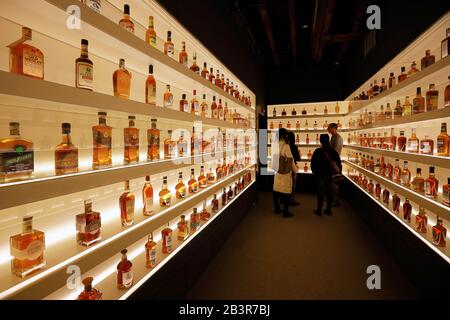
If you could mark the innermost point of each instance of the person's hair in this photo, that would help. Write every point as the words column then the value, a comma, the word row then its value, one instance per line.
column 333, row 126
column 282, row 134
column 325, row 140
column 291, row 138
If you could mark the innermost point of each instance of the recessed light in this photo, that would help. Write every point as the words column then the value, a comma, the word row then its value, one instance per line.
column 305, row 26
column 337, row 63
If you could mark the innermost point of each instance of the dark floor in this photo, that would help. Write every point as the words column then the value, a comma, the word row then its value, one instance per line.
column 304, row 257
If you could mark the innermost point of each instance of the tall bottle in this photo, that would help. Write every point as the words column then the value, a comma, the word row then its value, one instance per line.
column 131, row 142
column 126, row 202
column 403, row 75
column 195, row 106
column 407, row 107
column 126, row 22
column 398, row 110
column 150, row 34
column 183, row 229
column 153, row 137
column 102, row 141
column 202, row 180
column 204, row 107
column 183, row 56
column 432, row 98
column 169, row 48
column 418, row 183
column 439, row 232
column 413, row 142
column 421, row 221
column 150, row 252
column 66, row 153
column 122, row 81
column 443, row 141
column 147, row 197
column 419, row 102
column 165, row 197
column 166, row 236
column 192, row 183
column 124, row 272
column 170, row 147
column 84, row 69
column 401, row 142
column 180, row 188
column 150, row 87
column 431, row 184
column 214, row 110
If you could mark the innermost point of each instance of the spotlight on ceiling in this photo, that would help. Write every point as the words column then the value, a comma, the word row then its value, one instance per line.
column 337, row 63
column 305, row 26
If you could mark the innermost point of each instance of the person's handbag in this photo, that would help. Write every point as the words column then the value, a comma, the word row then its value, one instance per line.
column 284, row 165
column 336, row 173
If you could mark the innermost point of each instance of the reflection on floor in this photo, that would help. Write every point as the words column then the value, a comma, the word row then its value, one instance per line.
column 304, row 257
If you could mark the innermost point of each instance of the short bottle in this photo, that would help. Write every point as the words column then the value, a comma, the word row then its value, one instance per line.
column 170, row 147
column 102, row 141
column 27, row 249
column 126, row 202
column 402, row 75
column 183, row 229
column 407, row 107
column 418, row 183
column 413, row 69
column 88, row 225
column 89, row 293
column 126, row 22
column 426, row 146
column 391, row 81
column 419, row 102
column 147, row 197
column 431, row 184
column 166, row 236
column 401, row 142
column 184, row 105
column 413, row 142
column 439, row 233
column 215, row 204
column 194, row 220
column 230, row 194
column 421, row 221
column 168, row 98
column 169, row 48
column 407, row 210
column 205, row 215
column 427, row 60
column 124, row 272
column 131, row 142
column 183, row 56
column 66, row 153
column 165, row 197
column 84, row 69
column 150, row 252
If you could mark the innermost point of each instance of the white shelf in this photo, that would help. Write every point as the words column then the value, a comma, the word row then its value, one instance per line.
column 67, row 253
column 309, row 130
column 320, row 115
column 442, row 162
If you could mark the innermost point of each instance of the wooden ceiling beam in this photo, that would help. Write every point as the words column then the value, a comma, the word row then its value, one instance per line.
column 323, row 14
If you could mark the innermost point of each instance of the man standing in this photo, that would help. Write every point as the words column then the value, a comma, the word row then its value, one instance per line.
column 336, row 144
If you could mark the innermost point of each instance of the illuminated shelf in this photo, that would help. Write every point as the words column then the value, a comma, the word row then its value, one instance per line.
column 105, row 25
column 428, row 203
column 442, row 64
column 302, row 160
column 442, row 162
column 25, row 91
column 426, row 238
column 309, row 130
column 321, row 115
column 303, row 145
column 115, row 238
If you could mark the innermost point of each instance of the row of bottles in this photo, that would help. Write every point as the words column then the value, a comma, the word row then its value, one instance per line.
column 300, row 141
column 28, row 247
column 17, row 153
column 337, row 110
column 298, row 126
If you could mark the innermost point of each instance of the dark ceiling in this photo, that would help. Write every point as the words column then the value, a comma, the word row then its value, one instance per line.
column 292, row 32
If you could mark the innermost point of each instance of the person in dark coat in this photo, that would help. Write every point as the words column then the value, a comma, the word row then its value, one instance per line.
column 297, row 159
column 321, row 168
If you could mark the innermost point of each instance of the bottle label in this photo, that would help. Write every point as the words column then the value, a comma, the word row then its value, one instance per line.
column 168, row 240
column 94, row 4
column 129, row 207
column 123, row 84
column 151, row 257
column 193, row 187
column 170, row 50
column 432, row 102
column 33, row 62
column 32, row 252
column 211, row 178
column 166, row 199
column 151, row 93
column 196, row 107
column 413, row 145
column 127, row 278
column 215, row 205
column 203, row 182
column 88, row 223
column 85, row 76
column 16, row 159
column 148, row 203
column 440, row 146
column 377, row 169
column 185, row 107
column 66, row 160
column 215, row 113
column 168, row 100
column 181, row 192
column 425, row 147
column 153, row 140
column 131, row 139
column 102, row 140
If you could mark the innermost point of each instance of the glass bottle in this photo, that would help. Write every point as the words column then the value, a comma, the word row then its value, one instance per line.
column 153, row 137
column 170, row 147
column 214, row 109
column 370, row 187
column 403, row 75
column 27, row 249
column 220, row 110
column 89, row 293
column 230, row 194
column 446, row 193
column 183, row 229
column 194, row 220
column 210, row 176
column 192, row 183
column 183, row 56
column 297, row 125
column 25, row 59
column 426, row 146
column 407, row 210
column 386, row 196
column 443, row 141
column 439, row 232
column 428, row 60
column 88, row 225
column 150, row 34
column 413, row 69
column 195, row 106
column 215, row 204
column 377, row 167
column 305, row 168
column 166, row 236
column 398, row 110
column 126, row 202
column 218, row 80
column 147, row 197
column 202, row 180
column 445, row 45
column 165, row 197
column 150, row 87
column 124, row 272
column 169, row 48
column 413, row 142
column 304, row 111
column 418, row 102
column 396, row 203
column 180, row 188
column 150, row 252
column 283, row 113
column 401, row 142
column 421, row 221
column 388, row 112
column 66, row 154
column 168, row 98
column 391, row 81
column 447, row 95
column 205, row 72
column 378, row 191
column 102, row 137
column 397, row 172
column 407, row 107
column 337, row 108
column 184, row 105
column 122, row 81
column 84, row 69
column 212, row 78
column 406, row 175
column 131, row 142
column 418, row 183
column 389, row 170
column 431, row 184
column 126, row 22
column 293, row 112
column 205, row 215
column 432, row 97
column 224, row 197
column 204, row 107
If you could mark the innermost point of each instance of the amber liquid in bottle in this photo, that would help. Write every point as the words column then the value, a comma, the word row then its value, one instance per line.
column 192, row 183
column 165, row 197
column 170, row 147
column 215, row 204
column 205, row 72
column 195, row 106
column 153, row 137
column 124, row 272
column 126, row 22
column 88, row 225
column 66, row 154
column 439, row 234
column 407, row 209
column 403, row 75
column 401, row 142
column 205, row 215
column 150, row 252
column 166, row 235
column 27, row 249
column 147, row 197
column 418, row 183
column 195, row 68
column 168, row 98
column 427, row 146
column 89, row 293
column 183, row 56
column 183, row 229
column 169, row 48
column 84, row 69
column 419, row 102
column 447, row 95
column 446, row 193
column 443, row 141
column 126, row 202
column 184, row 105
column 204, row 107
column 150, row 34
column 180, row 188
column 431, row 184
column 122, row 81
column 413, row 142
column 214, row 109
column 432, row 98
column 150, row 87
column 421, row 221
column 102, row 137
column 131, row 142
column 202, row 180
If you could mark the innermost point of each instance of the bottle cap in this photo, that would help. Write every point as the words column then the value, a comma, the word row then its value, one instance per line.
column 150, row 69
column 183, row 96
column 84, row 42
column 65, row 127
column 126, row 9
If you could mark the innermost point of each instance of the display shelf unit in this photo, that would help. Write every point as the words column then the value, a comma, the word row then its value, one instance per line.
column 433, row 205
column 303, row 145
column 311, row 130
column 321, row 115
column 443, row 162
column 49, row 280
column 106, row 26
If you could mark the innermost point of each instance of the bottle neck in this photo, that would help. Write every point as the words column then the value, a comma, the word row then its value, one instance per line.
column 84, row 50
column 66, row 138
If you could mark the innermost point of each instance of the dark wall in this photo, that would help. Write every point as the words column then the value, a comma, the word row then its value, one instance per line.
column 402, row 21
column 217, row 26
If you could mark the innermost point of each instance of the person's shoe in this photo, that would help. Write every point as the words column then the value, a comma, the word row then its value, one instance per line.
column 328, row 212
column 318, row 212
column 294, row 203
column 287, row 215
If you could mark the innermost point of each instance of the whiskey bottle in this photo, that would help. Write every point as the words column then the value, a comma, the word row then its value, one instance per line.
column 126, row 22
column 432, row 97
column 210, row 176
column 150, row 87
column 131, row 142
column 202, row 180
column 224, row 197
column 370, row 187
column 406, row 175
column 166, row 235
column 407, row 107
column 126, row 202
column 218, row 81
column 421, row 221
column 195, row 106
column 447, row 95
column 220, row 110
column 66, row 154
column 84, row 69
column 205, row 72
column 27, row 249
column 204, row 107
column 192, row 183
column 396, row 203
column 150, row 34
column 445, row 45
column 184, row 105
column 205, row 215
column 124, row 272
column 443, row 141
column 297, row 125
column 215, row 204
column 214, row 110
column 180, row 188
column 183, row 56
column 337, row 108
column 403, row 75
column 219, row 173
column 386, row 196
column 165, row 197
column 407, row 209
column 212, row 78
column 325, row 110
column 428, row 60
column 25, row 59
column 168, row 98
column 194, row 220
column 398, row 110
column 439, row 231
column 153, row 137
column 391, row 81
column 102, row 137
column 183, row 229
column 169, row 48
column 147, row 197
column 426, row 146
column 413, row 69
column 150, row 252
column 170, row 147
column 401, row 142
column 89, row 293
column 389, row 171
column 413, row 142
column 418, row 183
column 383, row 86
column 397, row 172
column 431, row 184
column 388, row 112
column 304, row 111
column 88, row 225
column 378, row 191
column 283, row 113
column 122, row 81
column 419, row 102
column 182, row 146
column 446, row 193
column 293, row 112
column 230, row 194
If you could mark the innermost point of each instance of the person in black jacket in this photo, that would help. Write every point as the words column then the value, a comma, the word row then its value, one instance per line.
column 297, row 159
column 321, row 167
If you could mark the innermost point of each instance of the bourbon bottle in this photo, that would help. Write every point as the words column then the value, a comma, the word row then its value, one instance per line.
column 446, row 193
column 224, row 197
column 214, row 109
column 192, row 183
column 407, row 210
column 147, row 197
column 401, row 142
column 204, row 107
column 126, row 202
column 205, row 215
column 150, row 87
column 126, row 22
column 386, row 196
column 124, row 272
column 150, row 252
column 195, row 68
column 180, row 188
column 27, row 249
column 170, row 147
column 202, row 180
column 184, row 105
column 426, row 146
column 168, row 98
column 183, row 56
column 418, row 183
column 391, row 81
column 122, row 81
column 406, row 175
column 102, row 137
column 84, row 69
column 428, row 60
column 66, row 154
column 169, row 48
column 150, row 34
column 398, row 110
column 88, row 225
column 378, row 191
column 165, row 197
column 419, row 102
column 194, row 220
column 443, row 141
column 183, row 229
column 413, row 69
column 403, row 75
column 432, row 98
column 205, row 72
column 131, row 142
column 153, row 137
column 397, row 172
column 89, row 293
column 439, row 233
column 447, row 95
column 195, row 106
column 421, row 221
column 396, row 203
column 407, row 107
column 215, row 204
column 413, row 142
column 431, row 184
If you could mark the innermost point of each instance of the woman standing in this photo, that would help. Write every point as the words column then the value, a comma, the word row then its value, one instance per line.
column 283, row 164
column 297, row 158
